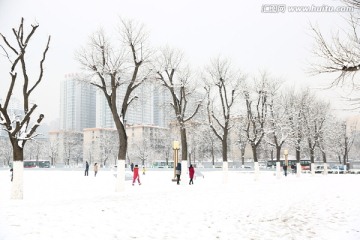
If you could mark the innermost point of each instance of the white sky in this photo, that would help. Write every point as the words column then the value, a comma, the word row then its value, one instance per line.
column 280, row 43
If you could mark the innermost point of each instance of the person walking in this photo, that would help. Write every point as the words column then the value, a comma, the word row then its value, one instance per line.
column 136, row 175
column 285, row 169
column 143, row 170
column 191, row 174
column 293, row 168
column 96, row 168
column 86, row 168
column 132, row 167
column 178, row 173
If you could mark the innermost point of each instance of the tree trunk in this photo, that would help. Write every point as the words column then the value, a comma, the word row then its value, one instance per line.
column 183, row 144
column 18, row 180
column 253, row 148
column 324, row 156
column 297, row 153
column 122, row 143
column 224, row 148
column 212, row 154
column 18, row 152
column 312, row 155
column 120, row 178
column 18, row 170
column 278, row 153
column 242, row 152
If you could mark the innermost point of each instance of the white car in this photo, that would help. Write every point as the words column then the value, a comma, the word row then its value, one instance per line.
column 337, row 169
column 319, row 169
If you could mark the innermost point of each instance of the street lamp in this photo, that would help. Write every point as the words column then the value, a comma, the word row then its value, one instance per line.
column 176, row 147
column 286, row 153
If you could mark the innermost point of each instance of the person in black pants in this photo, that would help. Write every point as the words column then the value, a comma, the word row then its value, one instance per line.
column 178, row 173
column 285, row 169
column 87, row 169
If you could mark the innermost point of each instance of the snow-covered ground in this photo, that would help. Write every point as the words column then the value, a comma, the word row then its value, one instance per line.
column 61, row 204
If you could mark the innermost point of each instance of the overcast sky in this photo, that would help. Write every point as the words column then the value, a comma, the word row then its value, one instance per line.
column 280, row 43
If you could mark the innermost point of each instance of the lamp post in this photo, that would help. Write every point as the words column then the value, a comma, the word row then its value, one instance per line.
column 176, row 147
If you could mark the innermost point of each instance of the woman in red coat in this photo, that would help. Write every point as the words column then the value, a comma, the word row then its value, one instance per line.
column 191, row 174
column 136, row 174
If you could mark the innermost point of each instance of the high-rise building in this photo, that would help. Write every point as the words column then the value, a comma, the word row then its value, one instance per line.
column 82, row 106
column 162, row 107
column 146, row 109
column 142, row 109
column 77, row 104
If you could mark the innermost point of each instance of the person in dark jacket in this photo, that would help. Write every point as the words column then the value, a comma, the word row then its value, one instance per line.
column 86, row 168
column 12, row 173
column 136, row 175
column 293, row 168
column 132, row 167
column 285, row 169
column 178, row 173
column 191, row 174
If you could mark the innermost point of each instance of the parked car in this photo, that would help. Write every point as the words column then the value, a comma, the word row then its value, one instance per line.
column 319, row 169
column 354, row 171
column 337, row 169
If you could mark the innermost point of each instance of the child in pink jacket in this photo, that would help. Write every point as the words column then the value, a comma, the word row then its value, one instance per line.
column 191, row 174
column 136, row 175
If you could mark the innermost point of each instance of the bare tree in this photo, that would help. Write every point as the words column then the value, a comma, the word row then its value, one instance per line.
column 345, row 139
column 327, row 137
column 242, row 140
column 352, row 3
column 212, row 149
column 53, row 148
column 5, row 151
column 19, row 128
column 204, row 142
column 314, row 116
column 341, row 54
column 297, row 103
column 108, row 147
column 143, row 150
column 222, row 85
column 256, row 112
column 278, row 126
column 72, row 147
column 35, row 150
column 113, row 68
column 177, row 79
